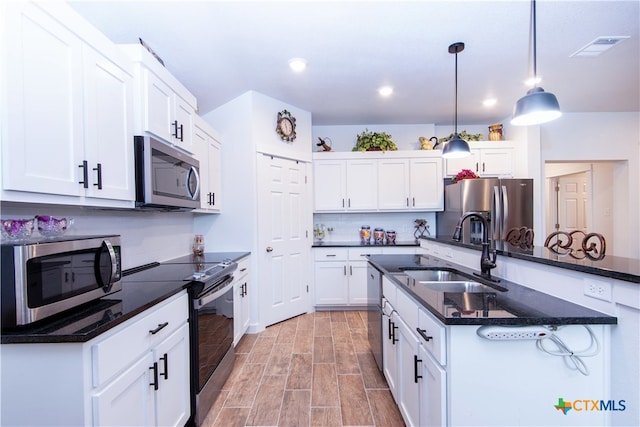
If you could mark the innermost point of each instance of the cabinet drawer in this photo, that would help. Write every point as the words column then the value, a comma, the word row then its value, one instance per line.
column 330, row 254
column 243, row 268
column 407, row 309
column 116, row 352
column 389, row 290
column 437, row 345
column 360, row 254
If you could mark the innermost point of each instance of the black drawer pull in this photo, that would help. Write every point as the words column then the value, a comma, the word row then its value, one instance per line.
column 85, row 174
column 98, row 170
column 395, row 340
column 159, row 328
column 416, row 361
column 423, row 334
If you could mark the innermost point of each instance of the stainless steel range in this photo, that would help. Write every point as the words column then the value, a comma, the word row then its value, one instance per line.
column 211, row 317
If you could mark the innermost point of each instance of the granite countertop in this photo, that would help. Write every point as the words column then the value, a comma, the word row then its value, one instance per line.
column 94, row 318
column 516, row 305
column 620, row 268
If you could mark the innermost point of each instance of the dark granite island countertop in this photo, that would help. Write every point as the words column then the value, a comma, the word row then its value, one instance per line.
column 92, row 319
column 515, row 305
column 620, row 268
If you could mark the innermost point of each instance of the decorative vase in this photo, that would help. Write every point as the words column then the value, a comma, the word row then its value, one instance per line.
column 495, row 132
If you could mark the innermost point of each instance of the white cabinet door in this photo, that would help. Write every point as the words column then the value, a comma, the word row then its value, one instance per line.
column 389, row 353
column 470, row 162
column 158, row 107
column 362, row 184
column 331, row 283
column 427, row 187
column 241, row 302
column 209, row 152
column 174, row 385
column 42, row 140
column 358, row 283
column 393, row 184
column 184, row 117
column 409, row 399
column 330, row 184
column 433, row 391
column 108, row 100
column 496, row 161
column 128, row 399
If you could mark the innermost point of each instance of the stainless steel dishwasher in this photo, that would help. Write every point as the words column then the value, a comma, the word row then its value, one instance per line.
column 374, row 313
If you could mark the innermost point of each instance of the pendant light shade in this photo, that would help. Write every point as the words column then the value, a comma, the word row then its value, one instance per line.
column 537, row 106
column 456, row 147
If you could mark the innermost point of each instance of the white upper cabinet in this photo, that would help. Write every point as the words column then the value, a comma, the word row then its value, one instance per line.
column 365, row 182
column 163, row 106
column 67, row 128
column 486, row 159
column 208, row 150
column 414, row 184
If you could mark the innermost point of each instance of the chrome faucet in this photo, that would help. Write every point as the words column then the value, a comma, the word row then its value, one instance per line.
column 488, row 257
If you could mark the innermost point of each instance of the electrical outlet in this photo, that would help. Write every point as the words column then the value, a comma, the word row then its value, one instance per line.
column 598, row 289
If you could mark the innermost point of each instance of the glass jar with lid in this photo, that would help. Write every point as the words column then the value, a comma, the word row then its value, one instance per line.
column 365, row 235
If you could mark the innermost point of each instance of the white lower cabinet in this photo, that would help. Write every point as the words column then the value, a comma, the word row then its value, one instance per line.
column 341, row 276
column 241, row 300
column 135, row 374
column 416, row 379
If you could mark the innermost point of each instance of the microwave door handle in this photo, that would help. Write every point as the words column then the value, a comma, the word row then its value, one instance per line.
column 193, row 172
column 114, row 266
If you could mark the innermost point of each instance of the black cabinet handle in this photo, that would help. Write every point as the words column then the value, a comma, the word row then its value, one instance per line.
column 85, row 174
column 159, row 328
column 416, row 361
column 181, row 133
column 98, row 169
column 165, row 359
column 154, row 368
column 423, row 334
column 175, row 128
column 395, row 340
column 390, row 328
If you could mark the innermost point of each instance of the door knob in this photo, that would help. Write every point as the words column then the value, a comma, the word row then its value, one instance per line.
column 269, row 249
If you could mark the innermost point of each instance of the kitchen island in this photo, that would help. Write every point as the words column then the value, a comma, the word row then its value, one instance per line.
column 485, row 358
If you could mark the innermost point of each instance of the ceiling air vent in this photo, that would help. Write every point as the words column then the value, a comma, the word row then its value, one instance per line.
column 599, row 45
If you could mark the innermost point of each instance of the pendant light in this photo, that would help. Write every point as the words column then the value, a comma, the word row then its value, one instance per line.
column 456, row 147
column 537, row 106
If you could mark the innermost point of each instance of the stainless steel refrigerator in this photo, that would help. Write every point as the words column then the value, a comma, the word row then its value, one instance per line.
column 506, row 203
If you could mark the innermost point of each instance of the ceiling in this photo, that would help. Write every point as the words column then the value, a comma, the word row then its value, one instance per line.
column 221, row 49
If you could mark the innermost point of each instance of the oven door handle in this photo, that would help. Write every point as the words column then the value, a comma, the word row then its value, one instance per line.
column 208, row 297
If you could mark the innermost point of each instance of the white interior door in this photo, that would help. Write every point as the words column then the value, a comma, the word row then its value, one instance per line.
column 283, row 224
column 573, row 202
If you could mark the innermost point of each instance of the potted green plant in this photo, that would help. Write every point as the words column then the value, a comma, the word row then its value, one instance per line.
column 464, row 135
column 374, row 141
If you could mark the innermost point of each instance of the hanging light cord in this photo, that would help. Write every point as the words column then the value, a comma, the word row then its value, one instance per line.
column 455, row 122
column 533, row 18
column 573, row 359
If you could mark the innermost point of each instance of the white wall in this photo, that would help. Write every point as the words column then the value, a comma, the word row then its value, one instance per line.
column 593, row 137
column 146, row 236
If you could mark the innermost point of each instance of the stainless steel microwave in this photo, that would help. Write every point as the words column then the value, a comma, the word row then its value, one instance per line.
column 44, row 278
column 166, row 178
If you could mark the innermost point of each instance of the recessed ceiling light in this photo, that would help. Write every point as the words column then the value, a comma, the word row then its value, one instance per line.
column 489, row 102
column 599, row 45
column 385, row 91
column 297, row 64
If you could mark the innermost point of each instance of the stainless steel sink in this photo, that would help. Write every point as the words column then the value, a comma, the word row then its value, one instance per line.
column 448, row 281
column 435, row 276
column 456, row 287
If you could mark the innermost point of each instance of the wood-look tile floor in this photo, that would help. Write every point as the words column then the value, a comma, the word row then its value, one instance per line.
column 313, row 370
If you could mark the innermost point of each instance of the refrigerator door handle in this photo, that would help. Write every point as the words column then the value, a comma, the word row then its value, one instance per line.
column 497, row 209
column 505, row 214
